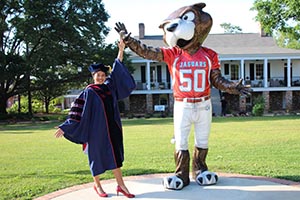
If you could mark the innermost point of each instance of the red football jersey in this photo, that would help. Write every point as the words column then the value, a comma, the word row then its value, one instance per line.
column 190, row 73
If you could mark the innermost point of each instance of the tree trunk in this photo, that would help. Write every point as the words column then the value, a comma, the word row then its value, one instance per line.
column 19, row 104
column 29, row 97
column 3, row 101
column 47, row 102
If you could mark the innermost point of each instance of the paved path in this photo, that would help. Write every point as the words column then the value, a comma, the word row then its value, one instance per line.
column 229, row 187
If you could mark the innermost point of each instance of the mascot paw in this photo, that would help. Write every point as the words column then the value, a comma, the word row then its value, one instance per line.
column 173, row 183
column 207, row 178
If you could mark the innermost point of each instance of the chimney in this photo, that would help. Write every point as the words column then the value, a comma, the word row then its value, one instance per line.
column 262, row 32
column 141, row 30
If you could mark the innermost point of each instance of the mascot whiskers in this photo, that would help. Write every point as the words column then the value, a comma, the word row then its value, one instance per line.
column 193, row 69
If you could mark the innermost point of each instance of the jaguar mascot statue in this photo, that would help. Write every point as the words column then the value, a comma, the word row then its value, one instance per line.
column 193, row 69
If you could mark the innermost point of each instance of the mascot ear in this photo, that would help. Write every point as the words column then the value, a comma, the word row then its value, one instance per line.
column 199, row 5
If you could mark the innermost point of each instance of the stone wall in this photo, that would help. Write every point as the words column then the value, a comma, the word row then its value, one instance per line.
column 266, row 96
column 233, row 103
column 289, row 100
column 296, row 100
column 236, row 104
column 138, row 103
column 276, row 101
column 149, row 102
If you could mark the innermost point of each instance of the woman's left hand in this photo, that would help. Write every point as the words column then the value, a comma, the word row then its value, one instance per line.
column 59, row 133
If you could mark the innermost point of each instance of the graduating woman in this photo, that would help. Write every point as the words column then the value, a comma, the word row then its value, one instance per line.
column 94, row 121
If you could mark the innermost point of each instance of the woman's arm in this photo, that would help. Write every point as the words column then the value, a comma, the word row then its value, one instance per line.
column 121, row 46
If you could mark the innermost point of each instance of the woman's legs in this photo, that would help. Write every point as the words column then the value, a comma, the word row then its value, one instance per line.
column 98, row 184
column 118, row 175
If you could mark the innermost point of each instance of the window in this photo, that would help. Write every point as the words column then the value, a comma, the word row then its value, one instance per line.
column 152, row 74
column 226, row 69
column 234, row 72
column 259, row 71
column 143, row 74
column 156, row 73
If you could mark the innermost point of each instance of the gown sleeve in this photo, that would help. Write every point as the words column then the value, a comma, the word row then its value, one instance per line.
column 76, row 127
column 121, row 80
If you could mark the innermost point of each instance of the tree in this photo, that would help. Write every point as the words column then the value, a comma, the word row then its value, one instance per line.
column 37, row 34
column 280, row 18
column 55, row 80
column 229, row 28
column 286, row 40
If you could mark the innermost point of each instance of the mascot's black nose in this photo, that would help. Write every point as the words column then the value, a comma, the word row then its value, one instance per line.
column 172, row 27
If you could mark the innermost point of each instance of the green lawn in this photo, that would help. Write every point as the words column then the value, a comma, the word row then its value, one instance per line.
column 34, row 163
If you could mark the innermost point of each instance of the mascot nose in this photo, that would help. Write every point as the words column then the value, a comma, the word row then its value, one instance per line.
column 172, row 27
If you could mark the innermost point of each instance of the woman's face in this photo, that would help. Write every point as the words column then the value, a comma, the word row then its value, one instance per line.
column 99, row 77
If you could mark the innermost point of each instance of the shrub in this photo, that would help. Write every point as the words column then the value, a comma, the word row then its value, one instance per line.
column 259, row 106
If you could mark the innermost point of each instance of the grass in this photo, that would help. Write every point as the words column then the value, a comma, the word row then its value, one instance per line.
column 34, row 163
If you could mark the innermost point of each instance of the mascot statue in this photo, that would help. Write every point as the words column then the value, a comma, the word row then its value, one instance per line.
column 193, row 69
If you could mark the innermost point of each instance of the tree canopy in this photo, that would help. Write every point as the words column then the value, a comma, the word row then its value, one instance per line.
column 280, row 18
column 229, row 28
column 43, row 42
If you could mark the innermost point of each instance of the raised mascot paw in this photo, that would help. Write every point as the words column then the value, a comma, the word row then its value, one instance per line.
column 121, row 29
column 207, row 178
column 173, row 183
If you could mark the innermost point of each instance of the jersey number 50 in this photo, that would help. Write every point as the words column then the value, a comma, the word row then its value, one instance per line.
column 192, row 80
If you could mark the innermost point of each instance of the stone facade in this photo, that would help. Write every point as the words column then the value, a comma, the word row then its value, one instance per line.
column 138, row 104
column 275, row 100
column 296, row 100
column 233, row 103
column 149, row 102
column 287, row 101
column 242, row 103
column 266, row 96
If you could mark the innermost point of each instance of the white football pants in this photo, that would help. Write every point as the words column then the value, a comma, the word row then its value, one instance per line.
column 187, row 114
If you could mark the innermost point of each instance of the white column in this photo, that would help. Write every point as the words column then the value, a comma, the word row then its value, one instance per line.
column 63, row 103
column 148, row 75
column 288, row 72
column 265, row 72
column 242, row 68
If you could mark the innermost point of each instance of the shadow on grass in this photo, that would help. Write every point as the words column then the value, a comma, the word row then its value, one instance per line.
column 16, row 133
column 147, row 121
column 80, row 172
column 265, row 118
column 125, row 172
column 134, row 172
column 133, row 122
column 25, row 128
column 295, row 178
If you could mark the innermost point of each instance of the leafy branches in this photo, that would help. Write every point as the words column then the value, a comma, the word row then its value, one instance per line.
column 280, row 17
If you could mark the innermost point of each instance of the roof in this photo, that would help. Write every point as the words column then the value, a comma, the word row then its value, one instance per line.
column 235, row 45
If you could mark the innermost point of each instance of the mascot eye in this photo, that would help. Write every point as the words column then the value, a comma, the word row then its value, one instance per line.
column 189, row 16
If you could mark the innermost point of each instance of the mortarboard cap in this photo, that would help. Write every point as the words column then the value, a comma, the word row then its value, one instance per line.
column 98, row 67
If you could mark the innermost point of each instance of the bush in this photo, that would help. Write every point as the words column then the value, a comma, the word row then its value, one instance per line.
column 37, row 106
column 258, row 109
column 259, row 106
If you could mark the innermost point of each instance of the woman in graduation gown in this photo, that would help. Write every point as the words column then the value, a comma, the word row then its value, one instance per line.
column 94, row 121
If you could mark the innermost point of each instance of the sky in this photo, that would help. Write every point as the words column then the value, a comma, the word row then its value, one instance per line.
column 152, row 13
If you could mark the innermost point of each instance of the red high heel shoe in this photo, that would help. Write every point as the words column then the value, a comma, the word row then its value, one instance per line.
column 100, row 194
column 128, row 195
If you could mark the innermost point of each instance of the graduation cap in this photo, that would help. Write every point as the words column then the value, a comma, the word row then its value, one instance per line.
column 99, row 67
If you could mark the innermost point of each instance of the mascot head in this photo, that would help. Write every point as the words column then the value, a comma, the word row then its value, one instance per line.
column 187, row 27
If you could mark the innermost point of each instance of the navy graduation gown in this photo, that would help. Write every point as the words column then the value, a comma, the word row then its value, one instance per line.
column 96, row 122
